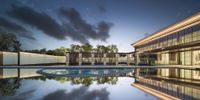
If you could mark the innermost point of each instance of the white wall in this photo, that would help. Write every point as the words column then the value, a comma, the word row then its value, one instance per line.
column 32, row 58
column 9, row 58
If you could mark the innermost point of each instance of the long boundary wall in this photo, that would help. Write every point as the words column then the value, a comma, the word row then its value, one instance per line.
column 11, row 58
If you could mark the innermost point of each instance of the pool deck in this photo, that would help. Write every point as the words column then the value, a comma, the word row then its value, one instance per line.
column 69, row 67
column 105, row 67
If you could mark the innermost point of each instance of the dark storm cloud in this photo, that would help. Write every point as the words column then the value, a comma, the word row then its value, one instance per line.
column 74, row 34
column 79, row 25
column 104, row 29
column 11, row 27
column 101, row 9
column 73, row 26
column 41, row 21
column 81, row 93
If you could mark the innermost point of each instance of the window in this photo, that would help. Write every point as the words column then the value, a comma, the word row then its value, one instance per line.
column 181, row 37
column 188, row 35
column 196, row 57
column 196, row 33
column 188, row 57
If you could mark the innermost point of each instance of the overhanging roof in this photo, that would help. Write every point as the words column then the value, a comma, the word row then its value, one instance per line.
column 188, row 22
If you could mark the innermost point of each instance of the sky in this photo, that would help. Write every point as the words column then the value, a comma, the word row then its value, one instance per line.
column 53, row 23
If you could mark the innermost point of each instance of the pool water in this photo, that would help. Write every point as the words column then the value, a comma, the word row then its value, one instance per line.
column 28, row 84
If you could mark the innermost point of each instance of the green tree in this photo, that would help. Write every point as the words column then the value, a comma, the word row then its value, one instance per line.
column 102, row 49
column 61, row 51
column 113, row 48
column 87, row 47
column 9, row 42
column 75, row 48
column 43, row 51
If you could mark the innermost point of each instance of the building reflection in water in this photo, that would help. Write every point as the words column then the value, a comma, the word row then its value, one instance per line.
column 180, row 90
column 17, row 73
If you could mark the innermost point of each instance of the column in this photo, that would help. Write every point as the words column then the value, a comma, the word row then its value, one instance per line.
column 92, row 58
column 128, row 59
column 1, row 58
column 104, row 57
column 137, row 58
column 137, row 72
column 67, row 59
column 18, row 58
column 80, row 59
column 116, row 62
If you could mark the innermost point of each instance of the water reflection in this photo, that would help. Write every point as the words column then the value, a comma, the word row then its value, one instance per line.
column 176, row 89
column 84, row 72
column 36, row 87
column 17, row 73
column 82, row 93
column 8, row 87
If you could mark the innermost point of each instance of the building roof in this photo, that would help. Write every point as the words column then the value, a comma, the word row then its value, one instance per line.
column 188, row 22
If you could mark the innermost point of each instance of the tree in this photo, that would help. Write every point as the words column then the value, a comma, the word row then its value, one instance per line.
column 87, row 47
column 61, row 51
column 43, row 51
column 9, row 42
column 113, row 48
column 102, row 49
column 75, row 48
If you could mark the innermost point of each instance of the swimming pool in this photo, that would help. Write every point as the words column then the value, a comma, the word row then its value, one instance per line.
column 85, row 72
column 74, row 84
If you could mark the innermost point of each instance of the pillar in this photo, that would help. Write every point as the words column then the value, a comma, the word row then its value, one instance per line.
column 137, row 72
column 80, row 59
column 104, row 57
column 137, row 59
column 67, row 59
column 117, row 57
column 128, row 59
column 92, row 58
column 18, row 58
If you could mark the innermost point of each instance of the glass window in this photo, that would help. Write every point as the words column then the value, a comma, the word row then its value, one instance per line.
column 181, row 37
column 182, row 58
column 196, row 57
column 188, row 35
column 188, row 57
column 196, row 33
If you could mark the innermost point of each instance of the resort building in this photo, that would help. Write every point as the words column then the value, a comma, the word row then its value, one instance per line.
column 95, row 58
column 178, row 44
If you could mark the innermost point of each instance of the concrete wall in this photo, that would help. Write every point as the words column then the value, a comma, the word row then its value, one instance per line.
column 31, row 58
column 11, row 58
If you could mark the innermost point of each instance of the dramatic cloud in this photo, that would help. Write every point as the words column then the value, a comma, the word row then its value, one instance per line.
column 8, row 26
column 104, row 28
column 74, row 26
column 41, row 21
column 101, row 9
column 81, row 93
column 79, row 25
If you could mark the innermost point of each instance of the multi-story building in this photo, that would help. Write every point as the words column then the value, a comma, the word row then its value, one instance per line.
column 177, row 44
